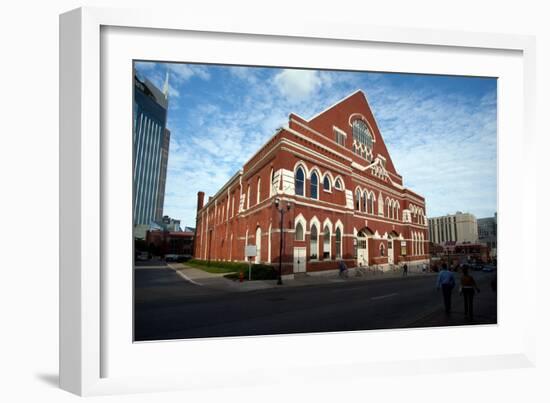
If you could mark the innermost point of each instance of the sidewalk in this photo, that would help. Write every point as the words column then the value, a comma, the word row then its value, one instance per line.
column 219, row 282
column 485, row 312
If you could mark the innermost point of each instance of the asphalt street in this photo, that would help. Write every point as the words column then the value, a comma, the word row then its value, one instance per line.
column 168, row 307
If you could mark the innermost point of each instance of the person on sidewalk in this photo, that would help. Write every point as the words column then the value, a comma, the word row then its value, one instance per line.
column 468, row 288
column 446, row 282
column 342, row 269
column 405, row 270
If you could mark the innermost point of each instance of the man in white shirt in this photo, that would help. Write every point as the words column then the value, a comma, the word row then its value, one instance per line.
column 446, row 282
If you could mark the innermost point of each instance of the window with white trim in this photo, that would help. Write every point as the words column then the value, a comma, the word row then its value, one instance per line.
column 314, row 186
column 313, row 246
column 326, row 183
column 362, row 139
column 299, row 232
column 338, row 243
column 339, row 136
column 326, row 243
column 299, row 181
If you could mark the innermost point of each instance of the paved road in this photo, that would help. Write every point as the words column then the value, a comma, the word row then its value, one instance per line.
column 168, row 307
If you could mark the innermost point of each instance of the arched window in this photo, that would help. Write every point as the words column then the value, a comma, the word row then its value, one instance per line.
column 248, row 197
column 326, row 243
column 272, row 188
column 326, row 183
column 382, row 252
column 338, row 243
column 380, row 204
column 371, row 203
column 299, row 181
column 362, row 139
column 338, row 184
column 357, row 199
column 313, row 251
column 258, row 190
column 258, row 244
column 299, row 232
column 314, row 186
column 364, row 205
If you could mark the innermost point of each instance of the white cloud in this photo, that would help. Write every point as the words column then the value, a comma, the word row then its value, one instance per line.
column 297, row 85
column 145, row 66
column 443, row 144
column 184, row 72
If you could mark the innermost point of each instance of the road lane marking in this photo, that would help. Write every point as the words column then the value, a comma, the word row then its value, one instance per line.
column 384, row 296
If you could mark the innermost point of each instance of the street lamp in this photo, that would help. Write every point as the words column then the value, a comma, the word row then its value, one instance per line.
column 281, row 210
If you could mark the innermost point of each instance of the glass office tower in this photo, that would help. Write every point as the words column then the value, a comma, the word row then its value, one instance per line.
column 151, row 143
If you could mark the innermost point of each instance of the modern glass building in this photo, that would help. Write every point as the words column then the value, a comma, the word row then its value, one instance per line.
column 487, row 232
column 151, row 144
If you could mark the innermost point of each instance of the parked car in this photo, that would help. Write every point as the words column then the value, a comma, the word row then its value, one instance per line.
column 143, row 256
column 183, row 258
column 171, row 258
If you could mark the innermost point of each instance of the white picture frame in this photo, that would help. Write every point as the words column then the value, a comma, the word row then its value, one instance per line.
column 87, row 337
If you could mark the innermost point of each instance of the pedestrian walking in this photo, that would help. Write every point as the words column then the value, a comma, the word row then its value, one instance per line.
column 405, row 270
column 468, row 288
column 446, row 283
column 342, row 268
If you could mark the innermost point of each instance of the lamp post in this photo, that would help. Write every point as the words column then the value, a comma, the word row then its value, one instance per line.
column 281, row 210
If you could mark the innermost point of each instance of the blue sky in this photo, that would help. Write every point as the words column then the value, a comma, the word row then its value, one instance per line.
column 441, row 131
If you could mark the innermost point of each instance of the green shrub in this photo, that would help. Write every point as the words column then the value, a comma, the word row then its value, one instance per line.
column 259, row 271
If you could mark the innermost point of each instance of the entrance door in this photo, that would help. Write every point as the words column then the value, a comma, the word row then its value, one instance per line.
column 300, row 260
column 362, row 251
column 390, row 251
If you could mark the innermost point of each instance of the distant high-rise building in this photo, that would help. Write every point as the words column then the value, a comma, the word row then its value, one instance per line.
column 459, row 227
column 487, row 232
column 151, row 145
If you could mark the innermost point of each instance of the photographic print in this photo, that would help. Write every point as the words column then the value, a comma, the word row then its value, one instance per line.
column 273, row 200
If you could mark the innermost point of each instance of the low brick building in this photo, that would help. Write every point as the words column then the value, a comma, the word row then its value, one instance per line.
column 342, row 195
column 170, row 242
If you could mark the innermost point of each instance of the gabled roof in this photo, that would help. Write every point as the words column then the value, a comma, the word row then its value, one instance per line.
column 342, row 110
column 338, row 102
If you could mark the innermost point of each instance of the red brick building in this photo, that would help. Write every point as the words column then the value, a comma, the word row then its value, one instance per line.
column 347, row 200
column 170, row 242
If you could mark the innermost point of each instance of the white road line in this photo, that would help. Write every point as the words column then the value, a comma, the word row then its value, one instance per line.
column 384, row 296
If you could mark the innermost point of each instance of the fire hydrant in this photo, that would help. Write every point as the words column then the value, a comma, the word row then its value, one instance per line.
column 241, row 276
